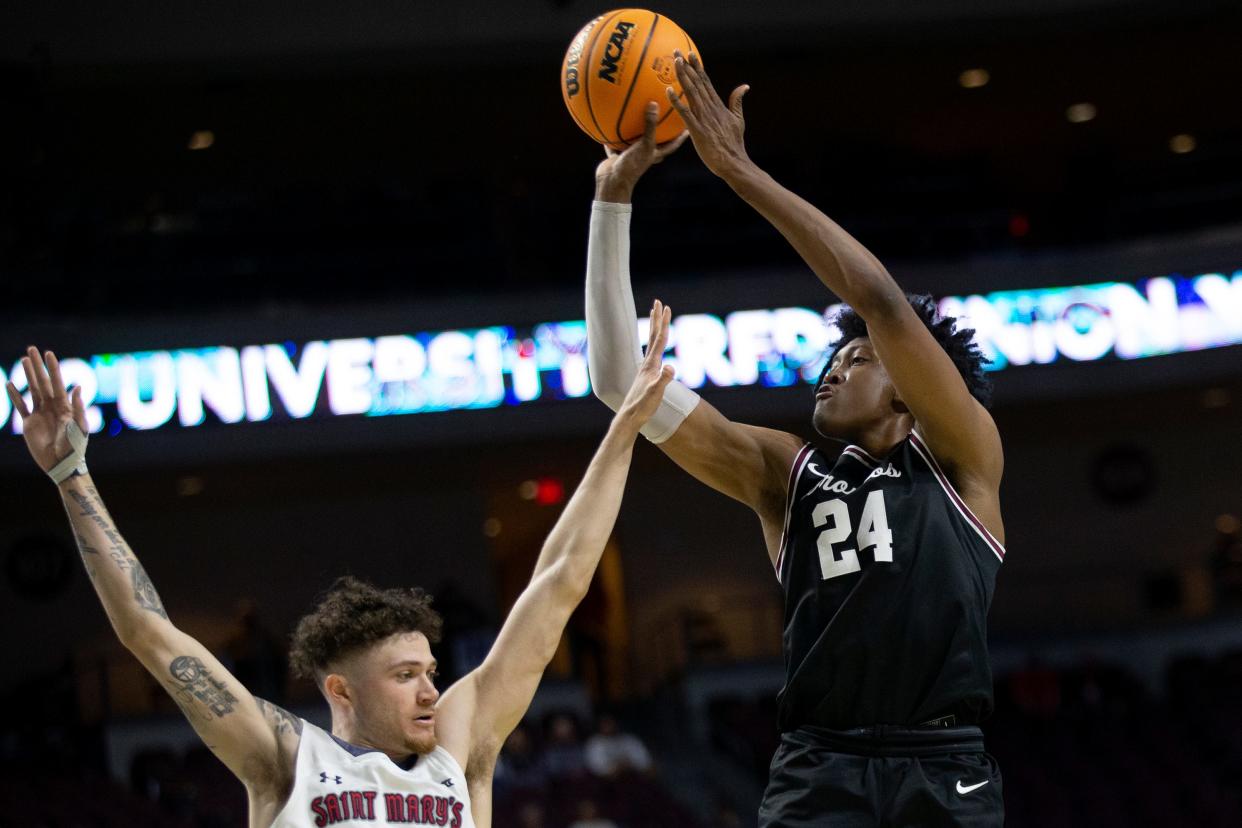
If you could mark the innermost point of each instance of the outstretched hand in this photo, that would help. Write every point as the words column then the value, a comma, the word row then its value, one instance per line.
column 617, row 174
column 653, row 375
column 53, row 408
column 715, row 129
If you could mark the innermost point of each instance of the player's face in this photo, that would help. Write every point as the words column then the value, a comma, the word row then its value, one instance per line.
column 396, row 698
column 855, row 393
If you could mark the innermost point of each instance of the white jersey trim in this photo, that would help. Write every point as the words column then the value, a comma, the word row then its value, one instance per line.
column 860, row 455
column 795, row 474
column 998, row 548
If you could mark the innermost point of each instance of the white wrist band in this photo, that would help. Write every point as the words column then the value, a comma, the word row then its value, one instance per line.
column 75, row 462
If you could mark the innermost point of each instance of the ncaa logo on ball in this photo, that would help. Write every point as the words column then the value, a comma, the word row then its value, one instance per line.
column 572, row 86
column 663, row 67
column 613, row 51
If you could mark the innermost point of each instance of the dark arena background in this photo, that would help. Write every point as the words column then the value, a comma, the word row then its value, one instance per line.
column 319, row 269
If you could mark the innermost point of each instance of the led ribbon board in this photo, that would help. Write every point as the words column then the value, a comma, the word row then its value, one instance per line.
column 495, row 366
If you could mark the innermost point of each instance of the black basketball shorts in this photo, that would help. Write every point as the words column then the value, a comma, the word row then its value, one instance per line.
column 883, row 777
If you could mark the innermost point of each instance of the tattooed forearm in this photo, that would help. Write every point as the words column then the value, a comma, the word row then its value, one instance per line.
column 96, row 534
column 83, row 545
column 195, row 689
column 191, row 711
column 281, row 720
column 84, row 503
column 86, row 551
column 144, row 591
column 92, row 507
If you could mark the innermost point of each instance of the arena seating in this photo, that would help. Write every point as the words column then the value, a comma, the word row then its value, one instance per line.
column 1082, row 746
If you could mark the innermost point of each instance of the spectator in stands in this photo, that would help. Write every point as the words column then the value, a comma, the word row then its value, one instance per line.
column 610, row 752
column 589, row 816
column 255, row 655
column 562, row 754
column 519, row 766
column 531, row 815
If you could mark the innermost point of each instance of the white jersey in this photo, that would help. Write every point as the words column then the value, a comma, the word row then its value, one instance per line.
column 332, row 786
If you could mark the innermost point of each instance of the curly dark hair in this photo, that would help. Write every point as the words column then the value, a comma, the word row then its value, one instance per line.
column 354, row 614
column 958, row 343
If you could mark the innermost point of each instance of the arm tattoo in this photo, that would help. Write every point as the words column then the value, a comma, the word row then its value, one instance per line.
column 92, row 507
column 84, row 503
column 85, row 547
column 281, row 720
column 194, row 683
column 144, row 592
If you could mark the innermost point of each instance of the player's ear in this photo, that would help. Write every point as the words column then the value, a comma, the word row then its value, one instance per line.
column 336, row 688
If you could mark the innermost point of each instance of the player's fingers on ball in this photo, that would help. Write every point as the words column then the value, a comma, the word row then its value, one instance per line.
column 682, row 109
column 695, row 71
column 693, row 81
column 19, row 404
column 689, row 62
column 701, row 73
column 696, row 96
column 683, row 72
column 651, row 114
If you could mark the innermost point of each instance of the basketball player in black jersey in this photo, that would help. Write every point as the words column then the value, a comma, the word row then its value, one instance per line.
column 887, row 550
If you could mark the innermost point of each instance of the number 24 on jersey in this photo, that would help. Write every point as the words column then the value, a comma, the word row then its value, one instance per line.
column 836, row 560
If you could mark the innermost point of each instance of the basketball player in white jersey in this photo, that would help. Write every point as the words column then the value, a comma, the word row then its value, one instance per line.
column 398, row 752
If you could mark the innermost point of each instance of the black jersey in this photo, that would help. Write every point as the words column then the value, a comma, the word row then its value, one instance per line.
column 888, row 577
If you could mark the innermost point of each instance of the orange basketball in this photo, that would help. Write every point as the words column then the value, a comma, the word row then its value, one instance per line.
column 614, row 66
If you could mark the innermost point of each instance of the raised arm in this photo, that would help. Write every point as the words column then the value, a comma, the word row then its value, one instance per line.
column 478, row 712
column 957, row 428
column 747, row 463
column 255, row 739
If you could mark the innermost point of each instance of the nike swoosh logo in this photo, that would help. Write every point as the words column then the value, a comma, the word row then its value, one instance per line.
column 965, row 789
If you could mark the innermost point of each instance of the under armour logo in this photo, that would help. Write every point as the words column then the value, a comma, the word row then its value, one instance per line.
column 448, row 783
column 324, row 777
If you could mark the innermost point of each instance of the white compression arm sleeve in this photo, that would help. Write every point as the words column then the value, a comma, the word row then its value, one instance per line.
column 613, row 350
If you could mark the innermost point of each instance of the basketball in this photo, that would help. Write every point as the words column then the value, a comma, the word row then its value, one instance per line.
column 614, row 66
